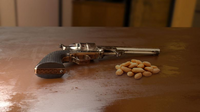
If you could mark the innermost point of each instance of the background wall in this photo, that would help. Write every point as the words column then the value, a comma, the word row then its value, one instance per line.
column 37, row 12
column 151, row 13
column 34, row 13
column 67, row 13
column 8, row 13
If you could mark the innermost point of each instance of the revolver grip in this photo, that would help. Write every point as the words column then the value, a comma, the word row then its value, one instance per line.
column 51, row 66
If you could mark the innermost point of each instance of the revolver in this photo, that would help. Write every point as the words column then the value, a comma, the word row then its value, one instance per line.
column 51, row 66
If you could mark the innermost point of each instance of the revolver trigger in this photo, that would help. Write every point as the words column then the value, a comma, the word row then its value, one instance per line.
column 84, row 59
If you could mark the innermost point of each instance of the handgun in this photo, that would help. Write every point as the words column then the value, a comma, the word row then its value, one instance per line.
column 51, row 66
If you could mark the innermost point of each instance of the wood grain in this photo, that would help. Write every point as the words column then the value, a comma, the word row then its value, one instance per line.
column 95, row 87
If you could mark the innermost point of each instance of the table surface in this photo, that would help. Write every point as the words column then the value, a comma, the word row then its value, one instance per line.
column 95, row 87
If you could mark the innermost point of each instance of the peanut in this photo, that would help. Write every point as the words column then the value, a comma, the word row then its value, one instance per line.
column 150, row 69
column 125, row 64
column 136, row 70
column 133, row 65
column 138, row 61
column 117, row 66
column 125, row 69
column 138, row 76
column 146, row 73
column 130, row 74
column 119, row 72
column 147, row 64
column 153, row 66
column 141, row 65
column 156, row 70
column 133, row 60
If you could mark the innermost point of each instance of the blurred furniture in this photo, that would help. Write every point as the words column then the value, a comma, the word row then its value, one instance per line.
column 93, row 13
column 183, row 13
column 150, row 13
column 196, row 21
column 143, row 13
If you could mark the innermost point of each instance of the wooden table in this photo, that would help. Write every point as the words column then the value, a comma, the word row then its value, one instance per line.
column 95, row 87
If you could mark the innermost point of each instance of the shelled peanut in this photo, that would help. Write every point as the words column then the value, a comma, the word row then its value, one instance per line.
column 137, row 68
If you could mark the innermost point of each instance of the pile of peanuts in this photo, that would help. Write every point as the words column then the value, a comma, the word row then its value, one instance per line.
column 137, row 68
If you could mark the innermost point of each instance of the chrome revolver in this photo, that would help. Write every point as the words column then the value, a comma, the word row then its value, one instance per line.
column 51, row 66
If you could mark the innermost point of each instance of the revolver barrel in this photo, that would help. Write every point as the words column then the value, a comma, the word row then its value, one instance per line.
column 145, row 51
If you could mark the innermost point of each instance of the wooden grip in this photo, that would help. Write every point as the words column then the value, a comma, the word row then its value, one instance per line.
column 51, row 66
